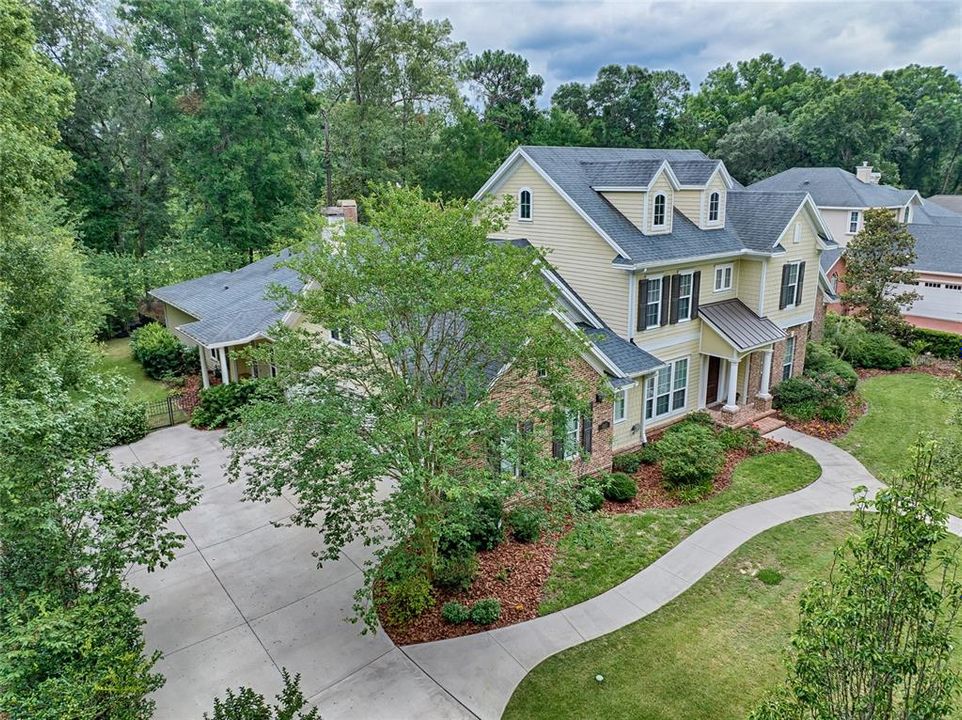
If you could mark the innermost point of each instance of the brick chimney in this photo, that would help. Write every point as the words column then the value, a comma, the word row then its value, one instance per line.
column 348, row 210
column 864, row 173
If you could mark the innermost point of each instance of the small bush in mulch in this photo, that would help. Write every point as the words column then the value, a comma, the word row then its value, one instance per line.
column 456, row 571
column 620, row 488
column 626, row 462
column 811, row 424
column 769, row 576
column 526, row 523
column 590, row 498
column 691, row 454
column 833, row 412
column 486, row 611
column 649, row 454
column 455, row 613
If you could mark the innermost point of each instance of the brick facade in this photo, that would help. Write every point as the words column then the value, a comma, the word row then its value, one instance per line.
column 818, row 320
column 757, row 358
column 514, row 393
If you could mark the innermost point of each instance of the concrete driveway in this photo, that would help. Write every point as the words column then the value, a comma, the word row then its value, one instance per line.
column 244, row 599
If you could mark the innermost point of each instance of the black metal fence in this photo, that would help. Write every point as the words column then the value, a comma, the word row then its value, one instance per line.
column 167, row 412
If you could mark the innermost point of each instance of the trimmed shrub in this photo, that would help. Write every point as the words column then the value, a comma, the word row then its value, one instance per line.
column 590, row 498
column 691, row 455
column 802, row 412
column 220, row 405
column 127, row 424
column 818, row 356
column 833, row 411
column 945, row 345
column 699, row 418
column 526, row 523
column 745, row 438
column 161, row 354
column 454, row 535
column 620, row 488
column 875, row 350
column 407, row 598
column 821, row 362
column 649, row 454
column 796, row 391
column 627, row 462
column 456, row 572
column 455, row 613
column 486, row 611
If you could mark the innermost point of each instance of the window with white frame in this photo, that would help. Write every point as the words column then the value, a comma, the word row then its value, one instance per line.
column 658, row 217
column 853, row 218
column 834, row 282
column 653, row 306
column 714, row 203
column 723, row 277
column 341, row 335
column 667, row 391
column 621, row 406
column 790, row 288
column 797, row 238
column 684, row 296
column 524, row 204
column 572, row 433
column 789, row 360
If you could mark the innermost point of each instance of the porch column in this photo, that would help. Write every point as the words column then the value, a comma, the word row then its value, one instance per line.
column 731, row 403
column 202, row 351
column 763, row 390
column 224, row 368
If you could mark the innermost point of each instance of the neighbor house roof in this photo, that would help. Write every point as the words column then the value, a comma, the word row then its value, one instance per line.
column 932, row 213
column 950, row 202
column 938, row 248
column 834, row 187
column 231, row 307
column 830, row 257
column 739, row 325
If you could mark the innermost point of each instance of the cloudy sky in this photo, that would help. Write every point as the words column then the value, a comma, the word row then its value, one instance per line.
column 570, row 40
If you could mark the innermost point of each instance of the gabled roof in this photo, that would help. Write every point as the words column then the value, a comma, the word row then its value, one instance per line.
column 231, row 307
column 629, row 358
column 834, row 187
column 759, row 218
column 830, row 257
column 736, row 322
column 949, row 202
column 932, row 213
column 938, row 248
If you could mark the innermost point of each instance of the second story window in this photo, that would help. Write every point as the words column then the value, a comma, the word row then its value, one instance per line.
column 685, row 286
column 793, row 275
column 723, row 277
column 853, row 219
column 653, row 305
column 714, row 202
column 524, row 204
column 658, row 216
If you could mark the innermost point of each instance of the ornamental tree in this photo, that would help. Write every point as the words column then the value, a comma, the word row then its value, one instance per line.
column 398, row 425
column 875, row 640
column 878, row 258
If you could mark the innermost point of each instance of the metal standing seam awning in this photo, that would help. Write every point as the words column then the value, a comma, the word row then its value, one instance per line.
column 736, row 324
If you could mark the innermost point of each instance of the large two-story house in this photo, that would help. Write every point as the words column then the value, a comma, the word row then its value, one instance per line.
column 722, row 286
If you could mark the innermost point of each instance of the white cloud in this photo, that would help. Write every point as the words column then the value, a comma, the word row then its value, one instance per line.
column 570, row 40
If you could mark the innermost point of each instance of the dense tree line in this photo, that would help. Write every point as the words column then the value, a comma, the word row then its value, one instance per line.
column 206, row 132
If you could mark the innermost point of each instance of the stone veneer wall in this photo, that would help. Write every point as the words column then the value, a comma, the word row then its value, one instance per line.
column 514, row 393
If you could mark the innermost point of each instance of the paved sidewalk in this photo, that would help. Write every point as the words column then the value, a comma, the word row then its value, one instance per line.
column 483, row 670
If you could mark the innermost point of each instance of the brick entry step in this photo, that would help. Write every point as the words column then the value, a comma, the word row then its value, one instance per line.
column 768, row 424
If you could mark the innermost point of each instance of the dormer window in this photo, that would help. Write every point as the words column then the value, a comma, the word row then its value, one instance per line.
column 714, row 202
column 658, row 217
column 524, row 204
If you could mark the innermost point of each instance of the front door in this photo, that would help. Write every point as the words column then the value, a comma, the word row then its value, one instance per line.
column 714, row 370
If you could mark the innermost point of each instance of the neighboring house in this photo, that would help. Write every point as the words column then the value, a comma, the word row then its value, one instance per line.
column 719, row 285
column 843, row 197
column 948, row 202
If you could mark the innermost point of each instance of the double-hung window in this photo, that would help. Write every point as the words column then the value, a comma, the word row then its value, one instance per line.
column 667, row 391
column 790, row 288
column 853, row 218
column 653, row 305
column 684, row 296
column 621, row 406
column 658, row 216
column 714, row 201
column 789, row 361
column 571, row 434
column 723, row 277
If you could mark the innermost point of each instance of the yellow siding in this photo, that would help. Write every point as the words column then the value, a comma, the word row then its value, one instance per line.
column 716, row 183
column 629, row 204
column 689, row 202
column 806, row 250
column 689, row 350
column 749, row 282
column 622, row 436
column 174, row 318
column 661, row 185
column 580, row 254
column 713, row 344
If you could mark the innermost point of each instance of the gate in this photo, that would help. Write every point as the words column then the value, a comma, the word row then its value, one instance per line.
column 166, row 412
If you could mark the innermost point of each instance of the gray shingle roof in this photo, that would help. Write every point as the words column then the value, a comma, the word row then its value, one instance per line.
column 694, row 172
column 949, row 202
column 830, row 257
column 231, row 306
column 628, row 173
column 629, row 358
column 938, row 248
column 932, row 213
column 834, row 187
column 742, row 327
column 758, row 218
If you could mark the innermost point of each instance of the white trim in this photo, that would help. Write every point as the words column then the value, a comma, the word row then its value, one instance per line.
column 572, row 298
column 653, row 347
column 718, row 217
column 702, row 384
column 690, row 296
column 661, row 299
column 530, row 217
column 731, row 277
column 664, row 225
column 793, row 321
column 520, row 153
column 632, row 305
column 623, row 392
column 644, row 267
column 861, row 207
column 763, row 280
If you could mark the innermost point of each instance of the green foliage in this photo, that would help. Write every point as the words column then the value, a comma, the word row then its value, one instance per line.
column 485, row 612
column 690, row 455
column 801, row 411
column 407, row 596
column 797, row 391
column 945, row 345
column 891, row 599
column 769, row 576
column 875, row 350
column 161, row 353
column 590, row 498
column 649, row 454
column 246, row 704
column 485, row 527
column 620, row 487
column 744, row 438
column 455, row 613
column 833, row 411
column 627, row 462
column 820, row 360
column 758, row 146
column 527, row 523
column 456, row 572
column 220, row 405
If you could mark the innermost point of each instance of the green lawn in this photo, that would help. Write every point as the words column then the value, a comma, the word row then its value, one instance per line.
column 588, row 564
column 899, row 408
column 117, row 358
column 712, row 653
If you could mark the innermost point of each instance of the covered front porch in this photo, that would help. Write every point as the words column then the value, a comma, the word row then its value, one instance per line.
column 737, row 347
column 230, row 363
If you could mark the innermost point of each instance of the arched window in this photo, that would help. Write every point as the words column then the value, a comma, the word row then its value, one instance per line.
column 714, row 201
column 658, row 218
column 524, row 204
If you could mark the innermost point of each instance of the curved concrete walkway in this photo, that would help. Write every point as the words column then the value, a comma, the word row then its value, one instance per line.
column 482, row 671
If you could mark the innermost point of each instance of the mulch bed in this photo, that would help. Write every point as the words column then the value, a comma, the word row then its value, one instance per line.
column 515, row 573
column 856, row 406
column 935, row 366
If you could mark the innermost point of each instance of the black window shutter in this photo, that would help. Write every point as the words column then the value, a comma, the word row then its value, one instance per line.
column 642, row 304
column 695, row 291
column 665, row 298
column 586, row 430
column 675, row 293
column 782, row 298
column 557, row 439
column 801, row 278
